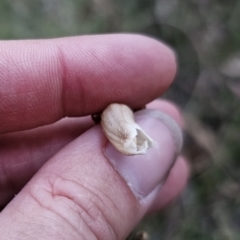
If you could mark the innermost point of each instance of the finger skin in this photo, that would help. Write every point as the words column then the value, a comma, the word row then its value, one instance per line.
column 23, row 153
column 173, row 186
column 77, row 194
column 45, row 80
column 83, row 199
column 169, row 108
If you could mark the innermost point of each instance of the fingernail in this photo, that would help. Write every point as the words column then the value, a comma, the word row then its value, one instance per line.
column 143, row 173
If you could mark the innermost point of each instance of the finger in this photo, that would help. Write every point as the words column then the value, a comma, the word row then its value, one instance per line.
column 173, row 186
column 90, row 191
column 45, row 80
column 23, row 153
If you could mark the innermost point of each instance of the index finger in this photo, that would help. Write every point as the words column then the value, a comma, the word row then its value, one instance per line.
column 42, row 81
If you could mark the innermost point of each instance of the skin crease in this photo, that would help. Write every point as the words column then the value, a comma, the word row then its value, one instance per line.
column 61, row 81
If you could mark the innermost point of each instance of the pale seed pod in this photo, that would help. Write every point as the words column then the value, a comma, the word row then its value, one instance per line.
column 126, row 136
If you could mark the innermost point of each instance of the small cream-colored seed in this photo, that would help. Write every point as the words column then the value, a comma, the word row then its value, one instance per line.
column 126, row 136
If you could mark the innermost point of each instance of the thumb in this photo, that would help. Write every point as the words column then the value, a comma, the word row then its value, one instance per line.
column 90, row 191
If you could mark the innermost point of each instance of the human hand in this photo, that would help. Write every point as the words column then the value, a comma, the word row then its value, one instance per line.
column 83, row 190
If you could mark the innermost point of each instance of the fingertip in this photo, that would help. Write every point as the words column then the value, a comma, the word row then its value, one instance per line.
column 163, row 59
column 169, row 108
column 123, row 63
column 173, row 186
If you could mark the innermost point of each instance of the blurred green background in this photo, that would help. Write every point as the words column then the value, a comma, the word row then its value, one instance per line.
column 206, row 37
